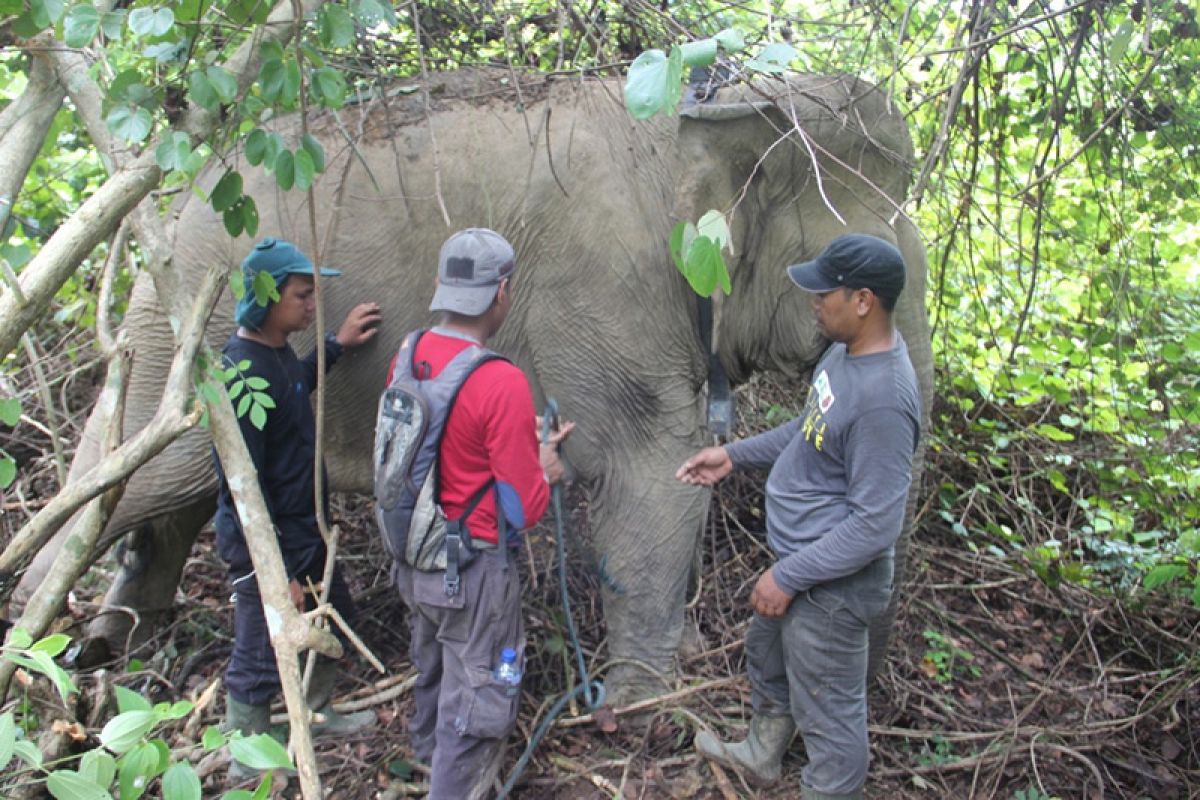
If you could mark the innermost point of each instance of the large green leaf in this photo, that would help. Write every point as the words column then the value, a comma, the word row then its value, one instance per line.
column 223, row 83
column 81, row 25
column 8, row 470
column 129, row 700
column 773, row 58
column 180, row 782
column 335, row 26
column 260, row 752
column 10, row 411
column 271, row 77
column 98, row 766
column 46, row 12
column 131, row 123
column 256, row 146
column 126, row 730
column 285, row 170
column 731, row 40
column 8, row 737
column 654, row 83
column 700, row 53
column 65, row 784
column 330, row 86
column 304, row 171
column 227, row 191
column 315, row 151
column 151, row 21
column 202, row 92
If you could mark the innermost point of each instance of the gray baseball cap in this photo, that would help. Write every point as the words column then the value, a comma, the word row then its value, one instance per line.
column 471, row 266
column 853, row 261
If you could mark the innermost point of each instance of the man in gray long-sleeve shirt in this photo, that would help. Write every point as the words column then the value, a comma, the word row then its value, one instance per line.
column 836, row 497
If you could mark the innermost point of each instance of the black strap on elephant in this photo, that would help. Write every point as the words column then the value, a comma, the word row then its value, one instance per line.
column 592, row 691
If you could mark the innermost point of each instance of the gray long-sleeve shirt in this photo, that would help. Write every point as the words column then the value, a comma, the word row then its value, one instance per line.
column 840, row 472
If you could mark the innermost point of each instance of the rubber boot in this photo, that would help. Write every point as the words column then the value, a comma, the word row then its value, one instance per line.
column 812, row 794
column 249, row 720
column 760, row 756
column 320, row 697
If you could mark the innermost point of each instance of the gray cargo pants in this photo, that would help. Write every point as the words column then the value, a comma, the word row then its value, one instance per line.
column 463, row 717
column 812, row 663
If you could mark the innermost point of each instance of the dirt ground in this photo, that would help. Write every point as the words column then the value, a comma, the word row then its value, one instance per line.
column 995, row 684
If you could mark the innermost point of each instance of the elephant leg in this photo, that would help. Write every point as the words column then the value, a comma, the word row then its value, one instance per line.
column 880, row 631
column 646, row 526
column 150, row 561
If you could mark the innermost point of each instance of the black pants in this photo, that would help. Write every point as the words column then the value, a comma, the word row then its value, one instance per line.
column 252, row 676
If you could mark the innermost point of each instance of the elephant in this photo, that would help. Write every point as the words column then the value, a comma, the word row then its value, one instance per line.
column 602, row 320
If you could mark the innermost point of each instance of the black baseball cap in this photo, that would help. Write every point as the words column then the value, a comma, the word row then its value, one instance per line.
column 853, row 261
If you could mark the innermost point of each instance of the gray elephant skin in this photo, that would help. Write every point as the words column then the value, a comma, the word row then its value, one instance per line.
column 602, row 320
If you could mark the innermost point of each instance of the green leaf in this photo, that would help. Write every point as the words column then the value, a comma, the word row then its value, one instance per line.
column 303, row 166
column 212, row 738
column 151, row 21
column 291, row 83
column 51, row 645
column 335, row 26
column 714, row 226
column 773, row 58
column 202, row 92
column 704, row 266
column 256, row 146
column 8, row 470
column 731, row 40
column 19, row 638
column 370, row 13
column 28, row 752
column 652, row 83
column 227, row 191
column 254, row 12
column 223, row 83
column 1119, row 42
column 98, row 766
column 681, row 237
column 264, row 400
column 130, row 123
column 1053, row 432
column 126, row 730
column 232, row 219
column 44, row 663
column 258, row 416
column 285, row 170
column 113, row 23
column 257, row 383
column 315, row 150
column 699, row 53
column 181, row 783
column 265, row 291
column 10, row 411
column 65, row 784
column 331, row 87
column 81, row 25
column 260, row 752
column 128, row 86
column 8, row 737
column 249, row 215
column 46, row 12
column 244, row 405
column 271, row 78
column 1163, row 573
column 129, row 700
column 136, row 769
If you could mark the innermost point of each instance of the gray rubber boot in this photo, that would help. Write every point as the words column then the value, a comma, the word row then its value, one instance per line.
column 812, row 794
column 320, row 697
column 249, row 720
column 760, row 756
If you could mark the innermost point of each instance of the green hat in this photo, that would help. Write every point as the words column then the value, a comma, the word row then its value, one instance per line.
column 279, row 259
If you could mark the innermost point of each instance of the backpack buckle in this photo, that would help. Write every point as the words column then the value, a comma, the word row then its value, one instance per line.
column 452, row 581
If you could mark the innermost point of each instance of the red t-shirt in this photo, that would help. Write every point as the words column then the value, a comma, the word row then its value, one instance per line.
column 491, row 433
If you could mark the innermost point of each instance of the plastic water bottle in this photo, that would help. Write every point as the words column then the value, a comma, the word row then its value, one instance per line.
column 507, row 673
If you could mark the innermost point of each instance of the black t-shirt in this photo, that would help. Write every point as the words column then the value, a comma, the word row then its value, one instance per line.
column 282, row 452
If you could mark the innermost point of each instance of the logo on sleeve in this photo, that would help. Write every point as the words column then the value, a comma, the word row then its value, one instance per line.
column 825, row 396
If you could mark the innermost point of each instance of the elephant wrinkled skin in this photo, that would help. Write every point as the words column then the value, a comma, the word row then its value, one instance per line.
column 602, row 320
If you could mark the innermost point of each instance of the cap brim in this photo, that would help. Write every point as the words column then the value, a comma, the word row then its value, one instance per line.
column 809, row 278
column 470, row 301
column 304, row 269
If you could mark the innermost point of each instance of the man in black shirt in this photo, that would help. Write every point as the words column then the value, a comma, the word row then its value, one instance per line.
column 280, row 434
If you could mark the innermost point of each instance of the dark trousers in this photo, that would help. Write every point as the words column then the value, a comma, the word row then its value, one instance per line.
column 812, row 663
column 252, row 676
column 463, row 716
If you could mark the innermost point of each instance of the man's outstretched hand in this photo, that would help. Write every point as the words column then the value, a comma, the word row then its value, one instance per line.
column 360, row 325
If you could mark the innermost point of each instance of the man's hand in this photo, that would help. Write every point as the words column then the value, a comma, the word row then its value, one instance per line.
column 768, row 599
column 552, row 465
column 706, row 467
column 360, row 325
column 296, row 593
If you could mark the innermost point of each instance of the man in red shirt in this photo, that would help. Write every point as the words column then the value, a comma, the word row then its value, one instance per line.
column 463, row 715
